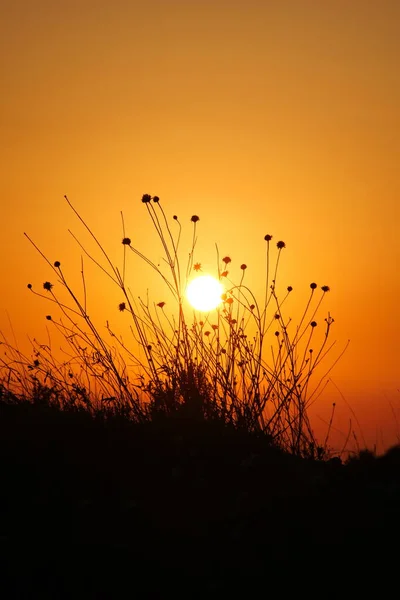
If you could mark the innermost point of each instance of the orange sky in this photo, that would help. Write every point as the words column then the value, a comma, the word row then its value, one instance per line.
column 262, row 117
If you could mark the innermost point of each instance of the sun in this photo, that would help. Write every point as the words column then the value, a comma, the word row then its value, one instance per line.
column 204, row 293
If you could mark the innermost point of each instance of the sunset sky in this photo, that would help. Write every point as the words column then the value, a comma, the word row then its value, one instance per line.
column 260, row 116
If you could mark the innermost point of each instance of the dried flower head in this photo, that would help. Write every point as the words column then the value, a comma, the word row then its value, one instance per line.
column 243, row 267
column 126, row 241
column 325, row 288
column 268, row 237
column 226, row 260
column 313, row 286
column 47, row 286
column 29, row 286
column 175, row 217
column 277, row 316
column 313, row 323
column 195, row 218
column 197, row 267
column 156, row 199
column 223, row 351
column 48, row 317
column 229, row 300
column 146, row 198
column 281, row 245
column 207, row 333
column 161, row 304
column 289, row 289
column 252, row 306
column 215, row 327
column 276, row 333
column 224, row 274
column 57, row 264
column 149, row 347
column 121, row 306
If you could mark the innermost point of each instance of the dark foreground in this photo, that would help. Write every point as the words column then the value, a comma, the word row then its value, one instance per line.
column 95, row 510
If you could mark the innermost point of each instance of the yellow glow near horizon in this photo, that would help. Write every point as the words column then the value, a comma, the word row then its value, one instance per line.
column 204, row 293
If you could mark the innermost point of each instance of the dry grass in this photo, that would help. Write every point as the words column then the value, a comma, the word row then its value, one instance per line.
column 245, row 364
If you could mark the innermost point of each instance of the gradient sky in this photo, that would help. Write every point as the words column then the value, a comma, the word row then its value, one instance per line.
column 261, row 116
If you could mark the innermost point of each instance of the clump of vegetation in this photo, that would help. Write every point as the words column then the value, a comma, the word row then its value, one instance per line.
column 245, row 364
column 178, row 463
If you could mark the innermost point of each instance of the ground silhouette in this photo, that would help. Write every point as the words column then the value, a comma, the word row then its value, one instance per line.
column 103, row 508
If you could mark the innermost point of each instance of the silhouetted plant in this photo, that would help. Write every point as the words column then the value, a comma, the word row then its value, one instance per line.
column 213, row 367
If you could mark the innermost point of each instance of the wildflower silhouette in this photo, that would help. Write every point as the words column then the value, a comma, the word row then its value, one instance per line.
column 238, row 374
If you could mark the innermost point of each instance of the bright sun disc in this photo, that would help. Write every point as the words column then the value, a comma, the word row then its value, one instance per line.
column 204, row 293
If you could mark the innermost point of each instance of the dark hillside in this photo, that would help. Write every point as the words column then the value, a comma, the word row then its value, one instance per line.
column 101, row 508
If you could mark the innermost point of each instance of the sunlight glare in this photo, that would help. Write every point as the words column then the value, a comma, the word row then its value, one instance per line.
column 204, row 293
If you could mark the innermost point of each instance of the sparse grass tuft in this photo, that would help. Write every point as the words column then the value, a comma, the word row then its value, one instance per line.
column 244, row 364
